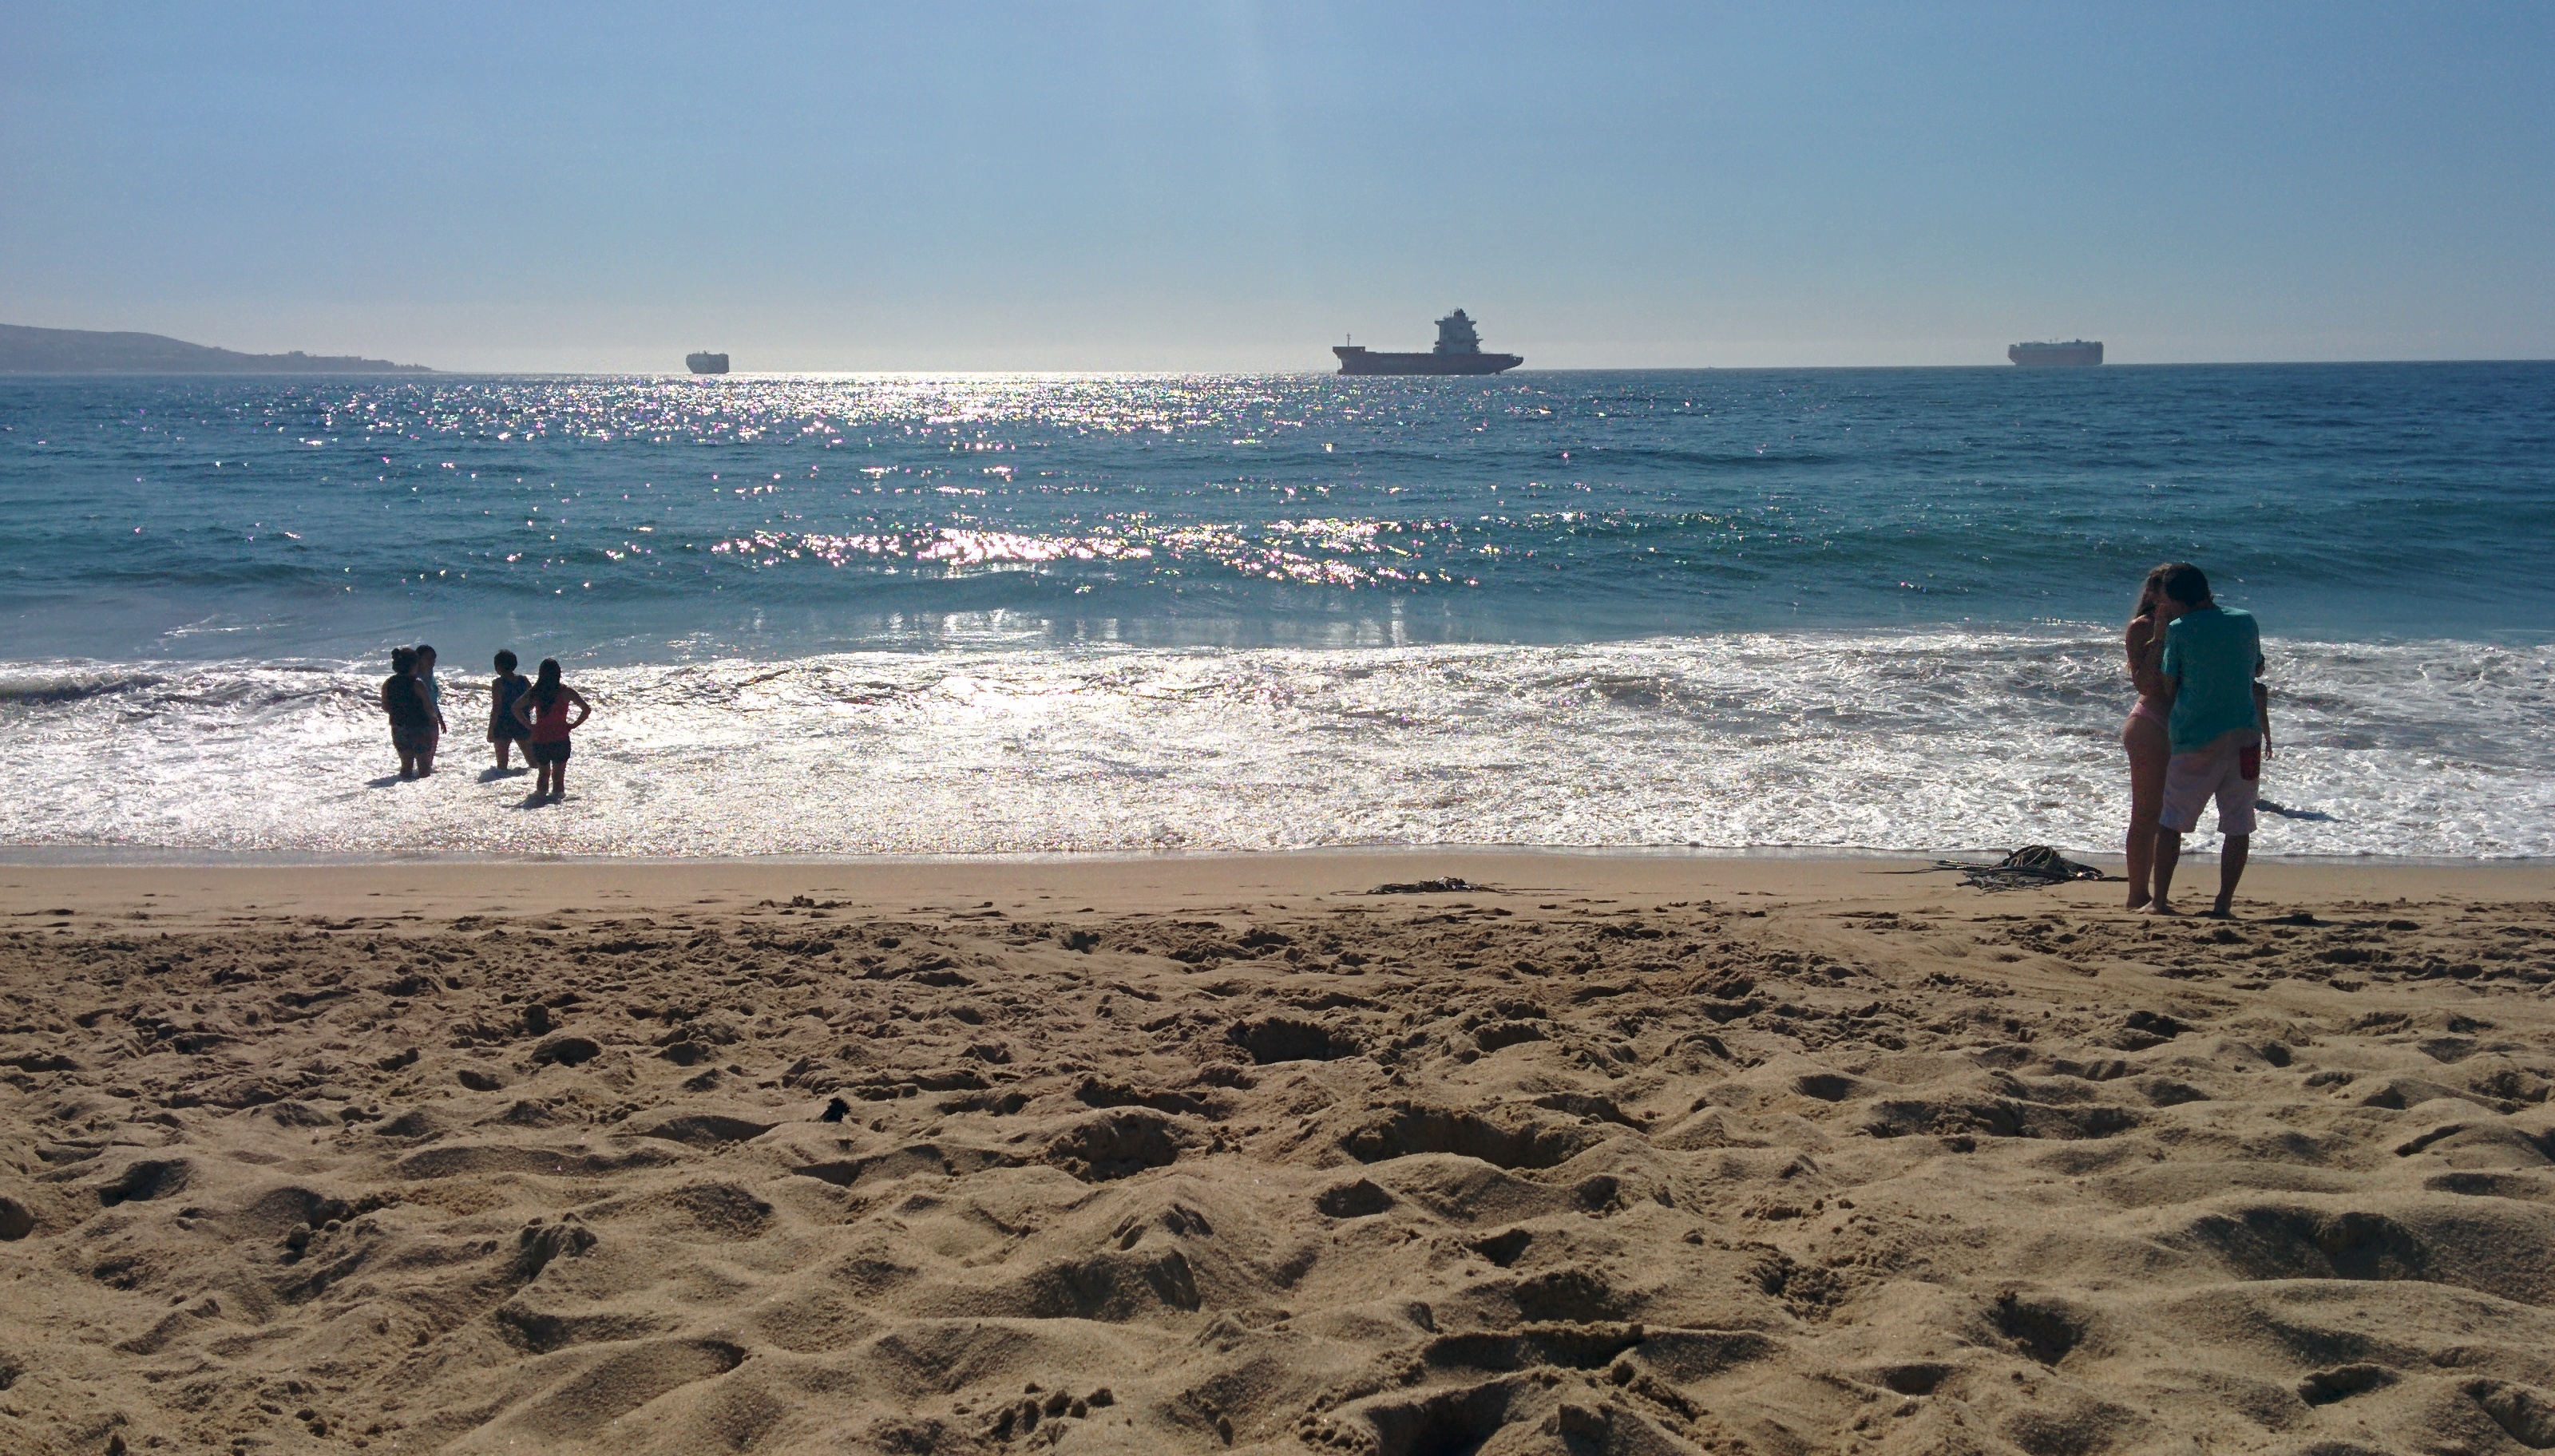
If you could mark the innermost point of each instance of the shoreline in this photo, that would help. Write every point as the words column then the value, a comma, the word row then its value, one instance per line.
column 1119, row 882
column 128, row 857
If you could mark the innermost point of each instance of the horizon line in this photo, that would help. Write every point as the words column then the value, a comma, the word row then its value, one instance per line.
column 413, row 371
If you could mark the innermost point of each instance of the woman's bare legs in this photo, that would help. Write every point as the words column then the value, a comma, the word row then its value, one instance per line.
column 2149, row 750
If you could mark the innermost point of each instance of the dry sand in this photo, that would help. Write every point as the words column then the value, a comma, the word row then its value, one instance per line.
column 1634, row 1155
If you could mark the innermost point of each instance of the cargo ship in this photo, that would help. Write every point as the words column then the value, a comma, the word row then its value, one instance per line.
column 2042, row 356
column 1458, row 351
column 705, row 363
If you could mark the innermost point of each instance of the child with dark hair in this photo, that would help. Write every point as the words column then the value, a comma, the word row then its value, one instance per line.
column 411, row 715
column 504, row 731
column 544, row 708
column 2218, row 725
column 433, row 689
column 433, row 703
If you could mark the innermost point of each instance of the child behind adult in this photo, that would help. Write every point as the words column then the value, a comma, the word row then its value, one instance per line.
column 505, row 732
column 2212, row 657
column 434, row 696
column 545, row 709
column 411, row 715
column 433, row 689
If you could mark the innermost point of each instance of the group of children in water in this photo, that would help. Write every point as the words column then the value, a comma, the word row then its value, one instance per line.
column 536, row 714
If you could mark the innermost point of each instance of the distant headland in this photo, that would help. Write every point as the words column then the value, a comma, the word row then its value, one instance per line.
column 26, row 350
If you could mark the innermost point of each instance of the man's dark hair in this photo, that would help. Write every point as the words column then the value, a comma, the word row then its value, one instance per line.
column 402, row 660
column 505, row 661
column 2184, row 583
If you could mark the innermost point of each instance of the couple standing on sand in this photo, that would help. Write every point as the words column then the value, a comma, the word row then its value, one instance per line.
column 2199, row 732
column 534, row 714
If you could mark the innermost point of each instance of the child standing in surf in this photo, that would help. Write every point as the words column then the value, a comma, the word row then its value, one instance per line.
column 505, row 731
column 544, row 708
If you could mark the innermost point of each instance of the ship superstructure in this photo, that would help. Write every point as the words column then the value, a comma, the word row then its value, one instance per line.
column 1458, row 351
column 2042, row 356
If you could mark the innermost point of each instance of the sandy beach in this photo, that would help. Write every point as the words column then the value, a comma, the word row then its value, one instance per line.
column 1609, row 1153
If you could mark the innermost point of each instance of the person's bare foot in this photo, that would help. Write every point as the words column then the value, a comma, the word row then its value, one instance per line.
column 2138, row 898
column 2158, row 908
column 2222, row 911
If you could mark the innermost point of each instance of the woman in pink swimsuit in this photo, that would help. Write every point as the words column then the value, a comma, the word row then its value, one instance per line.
column 2144, row 736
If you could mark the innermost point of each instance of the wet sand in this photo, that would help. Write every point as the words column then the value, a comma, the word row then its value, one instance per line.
column 1637, row 1154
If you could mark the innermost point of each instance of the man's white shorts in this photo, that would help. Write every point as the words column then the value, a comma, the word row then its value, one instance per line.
column 2230, row 770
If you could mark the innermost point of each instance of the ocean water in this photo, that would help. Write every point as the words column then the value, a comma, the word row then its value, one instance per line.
column 838, row 615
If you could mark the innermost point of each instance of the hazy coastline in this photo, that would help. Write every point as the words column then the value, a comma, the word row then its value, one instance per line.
column 81, row 351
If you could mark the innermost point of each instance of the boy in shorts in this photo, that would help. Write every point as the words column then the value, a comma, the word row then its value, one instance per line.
column 2213, row 655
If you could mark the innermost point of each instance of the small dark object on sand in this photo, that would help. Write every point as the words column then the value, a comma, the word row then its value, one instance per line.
column 1448, row 885
column 2031, row 865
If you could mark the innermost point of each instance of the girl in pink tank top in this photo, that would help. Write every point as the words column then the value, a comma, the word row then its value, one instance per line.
column 546, row 708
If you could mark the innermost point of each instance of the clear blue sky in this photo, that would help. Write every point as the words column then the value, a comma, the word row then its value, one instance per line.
column 1188, row 185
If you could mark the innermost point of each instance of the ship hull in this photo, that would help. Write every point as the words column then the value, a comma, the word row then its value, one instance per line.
column 1356, row 359
column 705, row 363
column 2058, row 357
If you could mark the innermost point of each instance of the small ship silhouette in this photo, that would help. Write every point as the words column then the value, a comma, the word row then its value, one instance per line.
column 2043, row 356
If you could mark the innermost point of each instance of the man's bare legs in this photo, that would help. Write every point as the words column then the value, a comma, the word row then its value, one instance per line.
column 2231, row 869
column 2168, row 853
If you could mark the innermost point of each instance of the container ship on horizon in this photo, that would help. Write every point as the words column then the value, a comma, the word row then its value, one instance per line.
column 705, row 362
column 1458, row 351
column 2043, row 356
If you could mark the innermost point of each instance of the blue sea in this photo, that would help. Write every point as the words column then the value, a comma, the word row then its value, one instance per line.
column 821, row 615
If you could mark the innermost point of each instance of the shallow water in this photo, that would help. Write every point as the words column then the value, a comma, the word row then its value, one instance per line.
column 1865, row 609
column 1895, row 741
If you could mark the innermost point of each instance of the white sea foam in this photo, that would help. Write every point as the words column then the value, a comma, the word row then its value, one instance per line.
column 1920, row 741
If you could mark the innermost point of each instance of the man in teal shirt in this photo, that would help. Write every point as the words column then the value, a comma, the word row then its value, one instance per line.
column 2213, row 655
